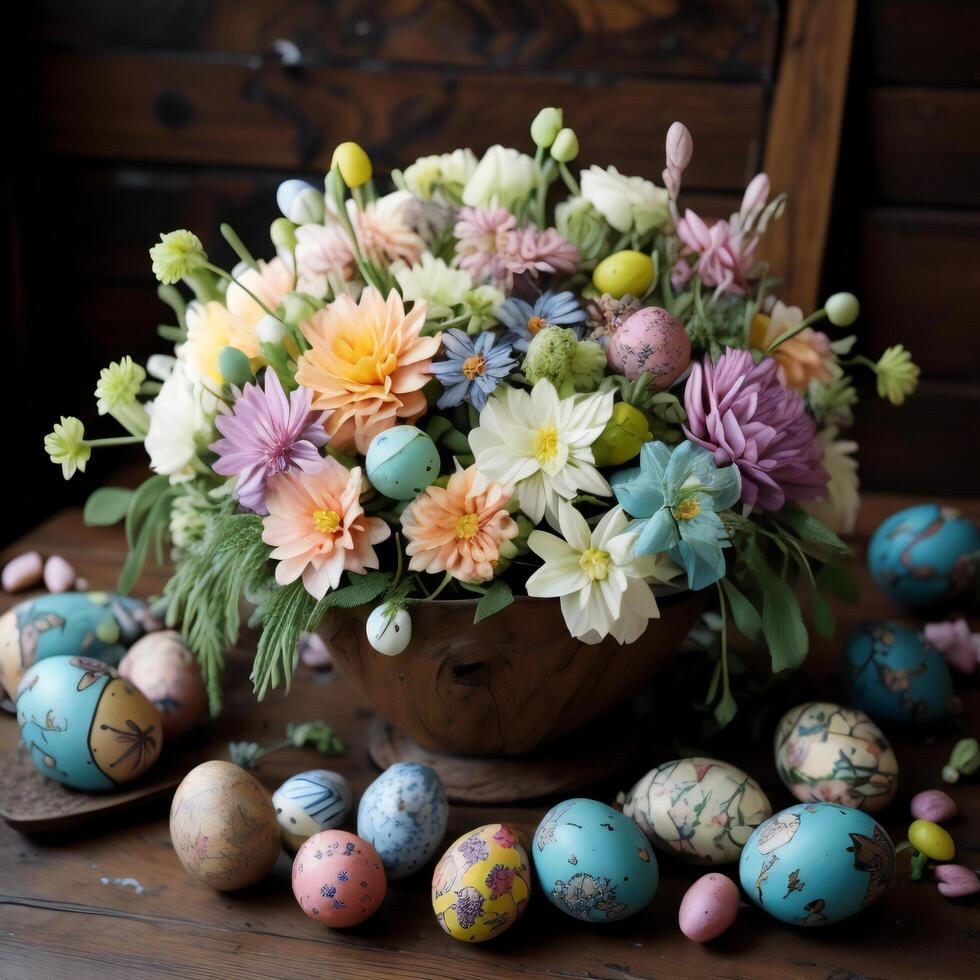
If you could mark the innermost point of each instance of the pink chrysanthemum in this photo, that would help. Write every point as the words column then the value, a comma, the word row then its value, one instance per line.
column 739, row 410
column 321, row 251
column 724, row 257
column 384, row 231
column 528, row 250
column 482, row 238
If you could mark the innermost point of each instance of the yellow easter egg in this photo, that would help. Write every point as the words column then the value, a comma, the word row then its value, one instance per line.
column 932, row 840
column 624, row 272
column 481, row 884
column 126, row 736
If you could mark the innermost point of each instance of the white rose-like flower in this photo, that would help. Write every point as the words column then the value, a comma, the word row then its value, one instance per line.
column 432, row 280
column 503, row 177
column 442, row 176
column 627, row 203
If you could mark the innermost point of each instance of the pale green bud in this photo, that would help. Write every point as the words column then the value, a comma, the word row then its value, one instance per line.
column 550, row 355
column 546, row 126
column 283, row 234
column 842, row 309
column 565, row 146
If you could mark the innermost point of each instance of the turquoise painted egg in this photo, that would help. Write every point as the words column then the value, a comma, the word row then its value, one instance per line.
column 594, row 863
column 892, row 674
column 817, row 863
column 78, row 624
column 920, row 556
column 84, row 725
column 310, row 802
column 403, row 814
column 401, row 462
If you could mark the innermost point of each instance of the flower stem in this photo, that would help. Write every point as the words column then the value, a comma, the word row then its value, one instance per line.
column 448, row 578
column 814, row 317
column 232, row 279
column 113, row 441
column 570, row 182
column 238, row 246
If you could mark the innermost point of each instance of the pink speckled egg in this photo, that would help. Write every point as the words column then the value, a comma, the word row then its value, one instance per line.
column 650, row 341
column 708, row 908
column 338, row 879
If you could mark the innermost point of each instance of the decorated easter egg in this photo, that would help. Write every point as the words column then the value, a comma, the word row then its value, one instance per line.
column 920, row 555
column 708, row 908
column 700, row 810
column 401, row 462
column 827, row 753
column 481, row 884
column 650, row 342
column 338, row 879
column 310, row 802
column 84, row 725
column 389, row 630
column 403, row 815
column 223, row 826
column 624, row 272
column 164, row 669
column 892, row 674
column 817, row 863
column 594, row 863
column 98, row 625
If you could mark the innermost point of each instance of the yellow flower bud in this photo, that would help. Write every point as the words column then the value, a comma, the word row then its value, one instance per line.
column 624, row 272
column 353, row 163
column 930, row 839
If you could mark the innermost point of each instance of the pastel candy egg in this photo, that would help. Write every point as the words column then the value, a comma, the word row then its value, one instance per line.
column 85, row 726
column 389, row 630
column 338, row 879
column 593, row 862
column 624, row 272
column 932, row 804
column 708, row 908
column 817, row 863
column 401, row 462
column 22, row 572
column 700, row 810
column 300, row 202
column 403, row 815
column 828, row 753
column 892, row 674
column 650, row 342
column 310, row 802
column 481, row 885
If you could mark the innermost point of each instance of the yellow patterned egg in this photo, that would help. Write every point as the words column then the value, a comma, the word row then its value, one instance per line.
column 481, row 884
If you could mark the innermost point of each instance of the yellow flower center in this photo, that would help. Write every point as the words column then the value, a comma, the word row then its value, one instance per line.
column 546, row 444
column 687, row 509
column 535, row 324
column 467, row 526
column 595, row 564
column 474, row 366
column 326, row 521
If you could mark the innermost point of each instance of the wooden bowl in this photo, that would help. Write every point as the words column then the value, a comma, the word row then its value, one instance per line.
column 509, row 684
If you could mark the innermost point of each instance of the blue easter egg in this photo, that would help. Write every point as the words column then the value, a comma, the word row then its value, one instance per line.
column 817, row 863
column 919, row 556
column 310, row 802
column 300, row 202
column 893, row 675
column 593, row 862
column 401, row 462
column 403, row 814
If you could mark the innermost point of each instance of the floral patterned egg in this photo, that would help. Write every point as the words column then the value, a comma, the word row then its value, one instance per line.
column 310, row 802
column 817, row 863
column 594, row 863
column 84, row 725
column 650, row 341
column 830, row 754
column 481, row 884
column 700, row 810
column 338, row 879
column 98, row 625
column 403, row 815
column 891, row 673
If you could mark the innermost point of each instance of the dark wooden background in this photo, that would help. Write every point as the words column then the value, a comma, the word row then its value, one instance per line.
column 136, row 116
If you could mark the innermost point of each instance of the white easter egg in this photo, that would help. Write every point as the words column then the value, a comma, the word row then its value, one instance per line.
column 389, row 631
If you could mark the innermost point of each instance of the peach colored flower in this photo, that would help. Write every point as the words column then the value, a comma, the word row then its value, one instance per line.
column 804, row 358
column 459, row 529
column 318, row 528
column 384, row 231
column 366, row 365
column 270, row 283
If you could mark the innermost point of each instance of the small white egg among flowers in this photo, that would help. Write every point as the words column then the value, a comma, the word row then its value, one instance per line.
column 389, row 630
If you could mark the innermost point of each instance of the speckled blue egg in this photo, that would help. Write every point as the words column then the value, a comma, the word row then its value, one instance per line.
column 817, row 863
column 310, row 802
column 403, row 815
column 919, row 556
column 401, row 462
column 893, row 675
column 594, row 863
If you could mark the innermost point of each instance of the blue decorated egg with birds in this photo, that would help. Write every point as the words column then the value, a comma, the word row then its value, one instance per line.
column 310, row 802
column 403, row 814
column 84, row 725
column 593, row 862
column 921, row 555
column 401, row 462
column 817, row 863
column 891, row 673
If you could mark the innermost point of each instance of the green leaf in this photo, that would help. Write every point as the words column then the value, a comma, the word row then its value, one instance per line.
column 782, row 620
column 107, row 506
column 499, row 596
column 152, row 528
column 142, row 502
column 725, row 709
column 746, row 617
column 823, row 616
column 808, row 528
column 713, row 684
column 360, row 590
column 839, row 581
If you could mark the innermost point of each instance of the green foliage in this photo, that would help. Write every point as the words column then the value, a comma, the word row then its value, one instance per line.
column 147, row 522
column 107, row 506
column 496, row 598
column 316, row 734
column 715, row 325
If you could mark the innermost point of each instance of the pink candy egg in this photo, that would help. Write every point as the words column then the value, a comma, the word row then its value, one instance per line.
column 22, row 572
column 59, row 574
column 934, row 805
column 338, row 879
column 708, row 908
column 650, row 341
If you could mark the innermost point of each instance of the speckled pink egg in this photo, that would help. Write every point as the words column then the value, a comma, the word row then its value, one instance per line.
column 338, row 879
column 650, row 341
column 708, row 908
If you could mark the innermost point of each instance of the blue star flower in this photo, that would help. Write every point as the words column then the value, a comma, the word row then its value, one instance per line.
column 473, row 367
column 549, row 310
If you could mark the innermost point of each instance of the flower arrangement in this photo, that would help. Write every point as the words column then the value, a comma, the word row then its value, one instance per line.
column 494, row 380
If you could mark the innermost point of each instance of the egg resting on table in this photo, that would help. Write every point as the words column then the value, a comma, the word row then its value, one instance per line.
column 310, row 802
column 817, row 863
column 84, row 725
column 482, row 883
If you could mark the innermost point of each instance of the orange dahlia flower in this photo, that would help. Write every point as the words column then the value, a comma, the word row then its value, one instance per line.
column 366, row 365
column 804, row 358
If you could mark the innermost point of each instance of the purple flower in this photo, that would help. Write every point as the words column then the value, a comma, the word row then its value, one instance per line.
column 473, row 849
column 739, row 410
column 267, row 433
column 500, row 880
column 468, row 905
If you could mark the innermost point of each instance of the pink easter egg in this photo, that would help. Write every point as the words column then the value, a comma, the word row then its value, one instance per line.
column 59, row 574
column 338, row 879
column 708, row 908
column 650, row 341
column 934, row 805
column 22, row 572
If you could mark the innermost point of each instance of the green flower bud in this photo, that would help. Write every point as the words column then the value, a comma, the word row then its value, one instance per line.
column 842, row 309
column 234, row 366
column 283, row 234
column 550, row 355
column 963, row 760
column 546, row 126
column 581, row 224
column 177, row 254
column 297, row 307
column 565, row 146
column 588, row 366
column 623, row 436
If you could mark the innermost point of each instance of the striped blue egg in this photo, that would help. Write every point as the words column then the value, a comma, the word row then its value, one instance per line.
column 310, row 802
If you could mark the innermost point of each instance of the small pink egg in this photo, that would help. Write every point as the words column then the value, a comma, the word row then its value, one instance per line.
column 934, row 805
column 957, row 881
column 22, row 572
column 650, row 341
column 59, row 574
column 708, row 908
column 338, row 879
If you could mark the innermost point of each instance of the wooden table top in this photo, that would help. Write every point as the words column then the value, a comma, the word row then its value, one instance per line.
column 113, row 901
